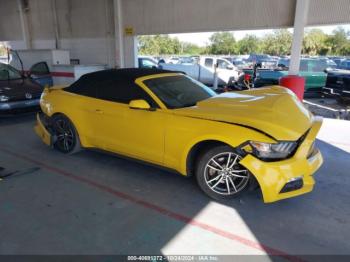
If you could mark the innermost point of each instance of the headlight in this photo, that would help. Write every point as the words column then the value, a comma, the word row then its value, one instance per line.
column 273, row 151
column 4, row 98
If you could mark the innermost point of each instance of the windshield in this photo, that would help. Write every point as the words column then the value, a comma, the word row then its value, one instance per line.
column 284, row 62
column 179, row 91
column 147, row 63
column 8, row 72
column 186, row 60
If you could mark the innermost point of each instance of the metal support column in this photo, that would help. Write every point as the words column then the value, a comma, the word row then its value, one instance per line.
column 24, row 24
column 118, row 29
column 301, row 11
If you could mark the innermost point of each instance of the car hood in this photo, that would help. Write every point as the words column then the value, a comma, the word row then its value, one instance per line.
column 17, row 89
column 274, row 111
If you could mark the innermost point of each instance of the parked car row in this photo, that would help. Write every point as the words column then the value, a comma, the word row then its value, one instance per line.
column 313, row 69
column 205, row 68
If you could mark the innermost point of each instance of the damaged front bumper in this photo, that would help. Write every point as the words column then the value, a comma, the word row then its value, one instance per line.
column 291, row 177
column 42, row 131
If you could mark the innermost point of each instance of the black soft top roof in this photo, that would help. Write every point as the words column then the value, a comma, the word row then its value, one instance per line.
column 125, row 74
column 120, row 78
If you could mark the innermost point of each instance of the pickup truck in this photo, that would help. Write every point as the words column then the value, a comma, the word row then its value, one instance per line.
column 204, row 69
column 312, row 69
column 338, row 84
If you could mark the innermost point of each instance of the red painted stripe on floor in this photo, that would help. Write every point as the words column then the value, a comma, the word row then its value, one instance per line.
column 161, row 210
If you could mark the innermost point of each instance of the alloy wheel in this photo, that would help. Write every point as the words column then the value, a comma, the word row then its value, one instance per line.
column 224, row 175
column 65, row 135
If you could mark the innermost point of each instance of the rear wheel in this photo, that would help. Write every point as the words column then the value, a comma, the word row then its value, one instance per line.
column 220, row 175
column 67, row 140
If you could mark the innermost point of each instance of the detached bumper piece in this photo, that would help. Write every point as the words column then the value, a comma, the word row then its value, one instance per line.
column 290, row 177
column 42, row 131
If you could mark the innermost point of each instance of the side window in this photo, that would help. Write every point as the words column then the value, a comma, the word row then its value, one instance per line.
column 8, row 73
column 304, row 65
column 318, row 66
column 222, row 64
column 208, row 62
column 147, row 64
column 123, row 93
column 40, row 68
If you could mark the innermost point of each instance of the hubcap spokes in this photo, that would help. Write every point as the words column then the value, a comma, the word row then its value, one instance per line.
column 224, row 175
column 64, row 134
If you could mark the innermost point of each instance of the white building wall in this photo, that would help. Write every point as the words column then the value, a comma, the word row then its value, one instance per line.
column 85, row 27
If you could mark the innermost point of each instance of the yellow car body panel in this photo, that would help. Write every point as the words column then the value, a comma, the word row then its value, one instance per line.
column 166, row 136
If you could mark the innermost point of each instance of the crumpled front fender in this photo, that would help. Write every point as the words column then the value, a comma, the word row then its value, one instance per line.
column 272, row 176
column 42, row 132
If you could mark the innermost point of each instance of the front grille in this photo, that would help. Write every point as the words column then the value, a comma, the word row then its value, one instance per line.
column 21, row 97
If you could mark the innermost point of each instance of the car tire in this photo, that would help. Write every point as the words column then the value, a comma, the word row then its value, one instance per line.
column 66, row 136
column 219, row 173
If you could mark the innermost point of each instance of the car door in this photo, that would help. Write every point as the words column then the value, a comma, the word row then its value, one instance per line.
column 84, row 110
column 226, row 72
column 316, row 77
column 207, row 71
column 132, row 132
column 40, row 72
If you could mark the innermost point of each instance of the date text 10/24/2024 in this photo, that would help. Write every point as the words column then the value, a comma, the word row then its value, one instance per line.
column 173, row 258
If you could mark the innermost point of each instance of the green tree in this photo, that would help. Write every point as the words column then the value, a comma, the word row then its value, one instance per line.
column 338, row 40
column 345, row 49
column 147, row 45
column 158, row 45
column 191, row 49
column 315, row 43
column 277, row 43
column 222, row 43
column 248, row 45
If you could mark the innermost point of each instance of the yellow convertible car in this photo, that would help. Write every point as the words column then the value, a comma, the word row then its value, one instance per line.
column 229, row 142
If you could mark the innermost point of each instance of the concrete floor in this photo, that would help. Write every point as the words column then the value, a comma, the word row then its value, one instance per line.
column 93, row 203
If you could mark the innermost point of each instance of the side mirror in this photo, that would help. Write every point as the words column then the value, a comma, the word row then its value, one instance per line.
column 139, row 104
column 229, row 67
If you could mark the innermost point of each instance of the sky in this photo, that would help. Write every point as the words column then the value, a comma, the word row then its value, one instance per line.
column 202, row 39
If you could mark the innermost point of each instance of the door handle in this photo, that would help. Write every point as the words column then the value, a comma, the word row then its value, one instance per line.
column 98, row 111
